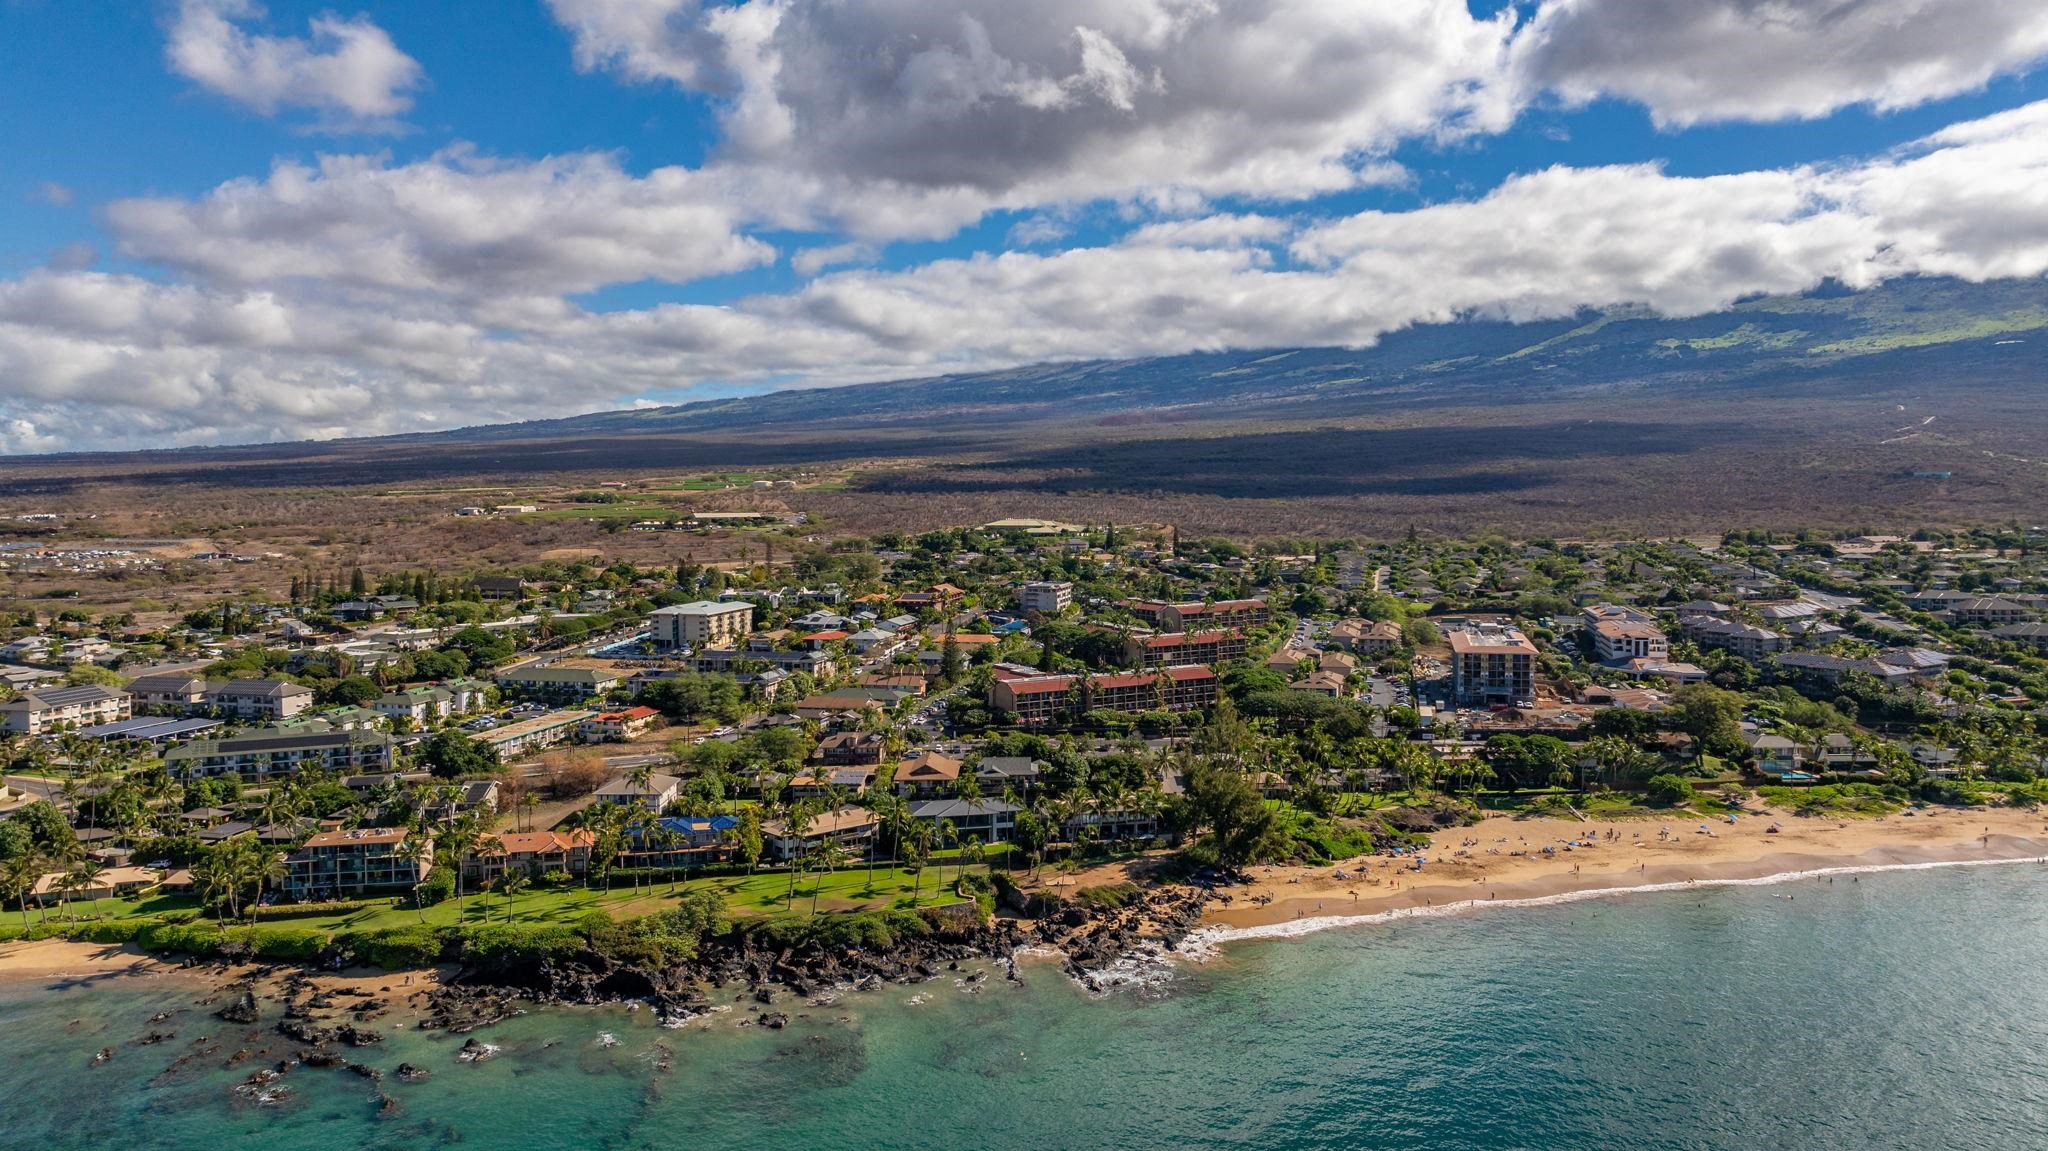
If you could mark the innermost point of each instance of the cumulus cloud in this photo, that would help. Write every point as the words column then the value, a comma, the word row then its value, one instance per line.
column 455, row 224
column 347, row 71
column 298, row 357
column 1692, row 61
column 1019, row 105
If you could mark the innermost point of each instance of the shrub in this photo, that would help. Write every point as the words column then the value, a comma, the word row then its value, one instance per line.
column 1108, row 896
column 393, row 949
column 287, row 944
column 189, row 938
column 437, row 887
column 518, row 946
column 332, row 907
column 1668, row 791
column 109, row 930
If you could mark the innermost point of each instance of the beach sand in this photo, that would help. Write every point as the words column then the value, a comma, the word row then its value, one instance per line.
column 63, row 963
column 1502, row 858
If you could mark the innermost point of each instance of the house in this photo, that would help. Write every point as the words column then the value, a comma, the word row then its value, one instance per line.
column 356, row 862
column 1369, row 638
column 997, row 772
column 702, row 623
column 530, row 853
column 926, row 775
column 541, row 731
column 988, row 820
column 937, row 597
column 1677, row 674
column 262, row 755
column 837, row 702
column 48, row 709
column 1776, row 755
column 852, row 828
column 619, row 726
column 1047, row 597
column 820, row 781
column 850, row 749
column 1324, row 683
column 259, row 698
column 655, row 795
column 499, row 587
column 559, row 682
column 1491, row 663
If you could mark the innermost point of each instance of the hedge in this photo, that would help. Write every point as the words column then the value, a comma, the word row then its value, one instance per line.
column 285, row 944
column 394, row 949
column 333, row 907
column 190, row 938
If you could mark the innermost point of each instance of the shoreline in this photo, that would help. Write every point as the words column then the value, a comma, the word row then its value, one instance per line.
column 1206, row 942
column 1526, row 861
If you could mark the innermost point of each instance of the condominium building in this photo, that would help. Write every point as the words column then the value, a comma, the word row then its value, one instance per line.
column 1172, row 649
column 1041, row 701
column 1047, row 597
column 704, row 623
column 1621, row 634
column 259, row 698
column 356, row 862
column 1491, row 663
column 1744, row 639
column 50, row 709
column 262, row 755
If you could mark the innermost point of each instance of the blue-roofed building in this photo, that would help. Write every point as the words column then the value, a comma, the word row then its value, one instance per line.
column 683, row 841
column 700, row 830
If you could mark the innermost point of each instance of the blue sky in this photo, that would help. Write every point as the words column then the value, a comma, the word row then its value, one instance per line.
column 229, row 221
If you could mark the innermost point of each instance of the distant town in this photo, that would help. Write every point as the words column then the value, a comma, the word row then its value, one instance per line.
column 1012, row 695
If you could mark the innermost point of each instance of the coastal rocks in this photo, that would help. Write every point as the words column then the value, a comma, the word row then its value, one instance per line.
column 101, row 1056
column 775, row 1021
column 476, row 1051
column 242, row 1009
column 412, row 1073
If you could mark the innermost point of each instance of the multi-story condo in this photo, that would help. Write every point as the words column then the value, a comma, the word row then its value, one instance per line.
column 170, row 692
column 1621, row 634
column 1177, row 648
column 49, row 709
column 1040, row 701
column 356, row 862
column 704, row 623
column 1491, row 663
column 1744, row 639
column 262, row 755
column 1198, row 616
column 259, row 698
column 1047, row 597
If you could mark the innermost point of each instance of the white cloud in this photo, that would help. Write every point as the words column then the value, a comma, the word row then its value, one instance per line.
column 1693, row 61
column 55, row 194
column 454, row 223
column 1064, row 101
column 347, row 71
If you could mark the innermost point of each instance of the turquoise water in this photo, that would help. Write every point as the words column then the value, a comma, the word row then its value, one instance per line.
column 1904, row 1010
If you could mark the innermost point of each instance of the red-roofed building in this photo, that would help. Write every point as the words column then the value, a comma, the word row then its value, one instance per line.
column 530, row 853
column 619, row 726
column 1170, row 649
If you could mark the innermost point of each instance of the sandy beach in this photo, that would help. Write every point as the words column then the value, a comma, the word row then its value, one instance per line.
column 63, row 963
column 1504, row 858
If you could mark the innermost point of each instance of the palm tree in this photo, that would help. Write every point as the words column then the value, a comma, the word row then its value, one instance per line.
column 920, row 835
column 531, row 802
column 18, row 876
column 799, row 823
column 413, row 850
column 830, row 855
column 513, row 883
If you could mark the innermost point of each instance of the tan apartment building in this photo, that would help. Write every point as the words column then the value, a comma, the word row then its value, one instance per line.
column 1491, row 663
column 704, row 623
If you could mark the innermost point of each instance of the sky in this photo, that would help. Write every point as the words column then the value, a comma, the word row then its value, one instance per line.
column 224, row 221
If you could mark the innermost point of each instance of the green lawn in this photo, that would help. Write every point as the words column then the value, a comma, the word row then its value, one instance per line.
column 849, row 889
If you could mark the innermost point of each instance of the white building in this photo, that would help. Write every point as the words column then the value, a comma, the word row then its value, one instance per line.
column 704, row 623
column 1048, row 597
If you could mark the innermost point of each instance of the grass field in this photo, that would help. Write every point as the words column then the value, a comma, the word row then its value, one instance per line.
column 762, row 894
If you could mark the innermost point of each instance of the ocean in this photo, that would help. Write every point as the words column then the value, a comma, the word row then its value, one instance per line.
column 1899, row 1010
